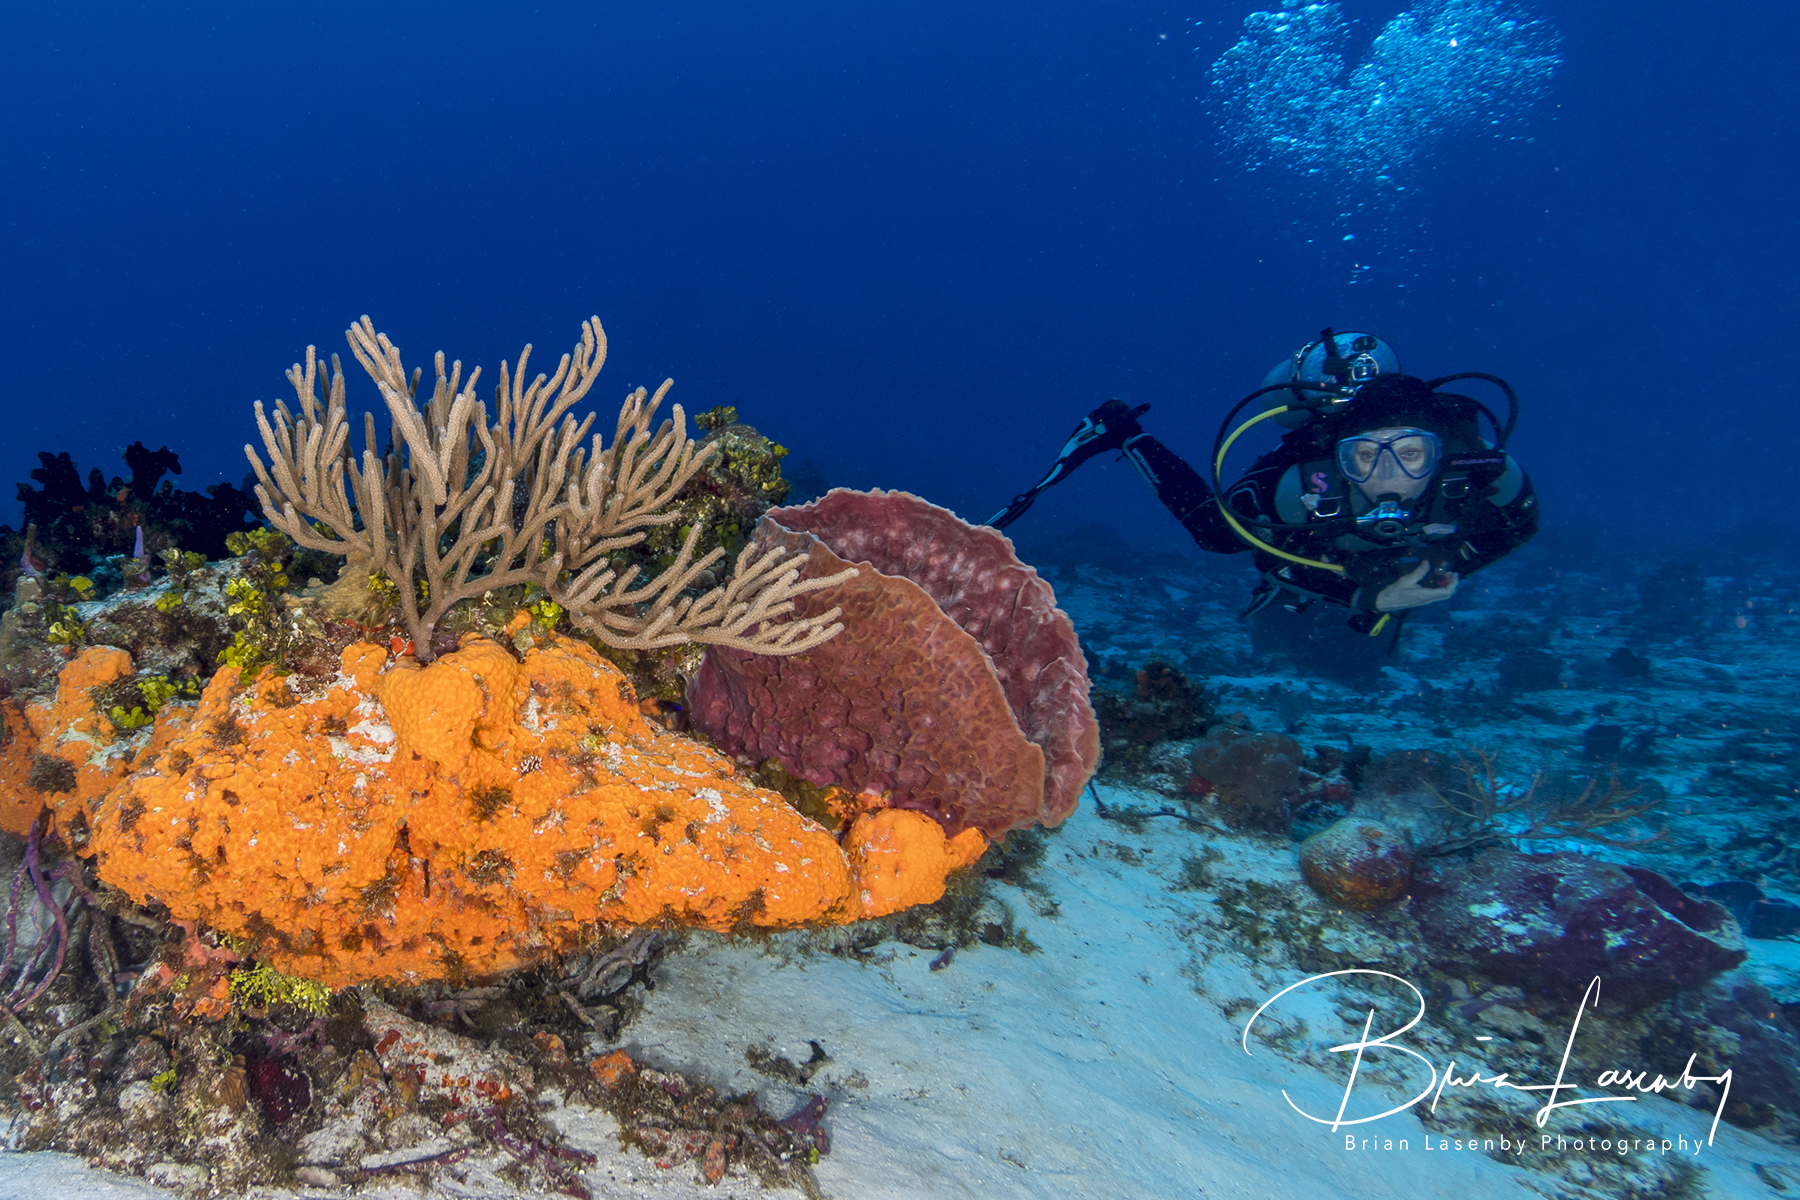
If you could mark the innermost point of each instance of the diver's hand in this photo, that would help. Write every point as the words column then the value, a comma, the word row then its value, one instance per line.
column 1411, row 591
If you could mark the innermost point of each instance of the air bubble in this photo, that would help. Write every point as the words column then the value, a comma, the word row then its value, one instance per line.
column 1286, row 95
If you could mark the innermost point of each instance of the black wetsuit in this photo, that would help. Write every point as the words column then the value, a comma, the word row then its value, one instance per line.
column 1478, row 507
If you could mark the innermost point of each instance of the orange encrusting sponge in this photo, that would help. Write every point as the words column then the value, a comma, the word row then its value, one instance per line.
column 70, row 728
column 456, row 820
column 900, row 859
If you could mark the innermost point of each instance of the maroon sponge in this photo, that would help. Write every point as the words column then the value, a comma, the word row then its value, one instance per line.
column 957, row 685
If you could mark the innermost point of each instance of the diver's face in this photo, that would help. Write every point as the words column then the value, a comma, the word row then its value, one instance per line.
column 1385, row 461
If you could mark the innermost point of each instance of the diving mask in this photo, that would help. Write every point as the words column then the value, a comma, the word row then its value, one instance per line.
column 1385, row 455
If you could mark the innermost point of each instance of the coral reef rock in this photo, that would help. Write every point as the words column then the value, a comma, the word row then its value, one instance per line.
column 1163, row 706
column 1761, row 916
column 73, row 528
column 1765, row 1067
column 957, row 689
column 1357, row 863
column 1253, row 774
column 1550, row 922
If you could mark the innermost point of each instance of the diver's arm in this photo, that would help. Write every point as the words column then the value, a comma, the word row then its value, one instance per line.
column 1184, row 493
column 1488, row 531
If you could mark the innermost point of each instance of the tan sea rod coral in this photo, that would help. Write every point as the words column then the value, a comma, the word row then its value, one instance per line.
column 459, row 507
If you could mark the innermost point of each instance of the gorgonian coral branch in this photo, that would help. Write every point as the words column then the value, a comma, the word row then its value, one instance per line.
column 459, row 506
column 1485, row 811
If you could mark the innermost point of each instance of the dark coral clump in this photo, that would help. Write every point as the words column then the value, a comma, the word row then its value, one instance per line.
column 1549, row 923
column 1602, row 742
column 280, row 1086
column 1529, row 671
column 70, row 527
column 1163, row 706
column 50, row 774
column 1760, row 916
column 1672, row 602
column 1254, row 775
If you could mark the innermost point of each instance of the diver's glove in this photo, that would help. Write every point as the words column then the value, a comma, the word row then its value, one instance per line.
column 1425, row 584
column 1108, row 427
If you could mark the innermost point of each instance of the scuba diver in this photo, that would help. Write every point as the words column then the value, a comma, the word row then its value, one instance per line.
column 1381, row 497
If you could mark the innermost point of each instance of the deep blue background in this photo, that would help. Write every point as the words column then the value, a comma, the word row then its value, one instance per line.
column 914, row 242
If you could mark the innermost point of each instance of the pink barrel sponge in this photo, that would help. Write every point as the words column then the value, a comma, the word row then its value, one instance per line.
column 957, row 688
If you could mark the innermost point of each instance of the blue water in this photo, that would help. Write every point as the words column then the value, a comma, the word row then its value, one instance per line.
column 915, row 243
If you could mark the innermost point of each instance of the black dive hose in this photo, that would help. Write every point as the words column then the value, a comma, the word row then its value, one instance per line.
column 1512, row 401
column 1212, row 460
column 1300, row 403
